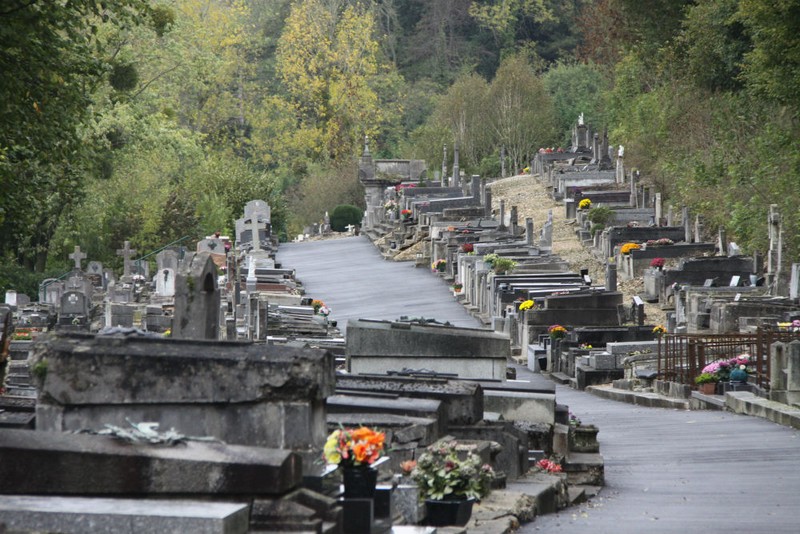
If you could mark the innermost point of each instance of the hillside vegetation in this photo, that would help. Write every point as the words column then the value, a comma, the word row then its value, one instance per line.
column 152, row 121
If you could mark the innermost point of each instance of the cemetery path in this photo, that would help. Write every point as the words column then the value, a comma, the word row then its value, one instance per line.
column 351, row 277
column 675, row 471
column 666, row 471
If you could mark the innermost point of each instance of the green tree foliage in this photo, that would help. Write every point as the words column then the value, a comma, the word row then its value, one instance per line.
column 324, row 188
column 345, row 215
column 328, row 60
column 576, row 88
column 772, row 67
column 52, row 60
column 521, row 115
column 713, row 43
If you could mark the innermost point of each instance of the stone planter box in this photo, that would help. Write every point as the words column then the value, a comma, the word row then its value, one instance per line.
column 583, row 438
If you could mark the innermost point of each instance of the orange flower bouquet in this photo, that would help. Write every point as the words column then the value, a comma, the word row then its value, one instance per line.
column 354, row 447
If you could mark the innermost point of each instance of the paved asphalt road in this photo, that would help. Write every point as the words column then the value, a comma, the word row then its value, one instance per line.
column 667, row 471
column 352, row 278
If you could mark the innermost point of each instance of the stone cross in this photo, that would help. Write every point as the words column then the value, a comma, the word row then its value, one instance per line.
column 77, row 256
column 126, row 252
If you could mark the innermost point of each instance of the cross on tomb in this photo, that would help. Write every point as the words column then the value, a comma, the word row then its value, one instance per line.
column 127, row 252
column 77, row 256
column 254, row 231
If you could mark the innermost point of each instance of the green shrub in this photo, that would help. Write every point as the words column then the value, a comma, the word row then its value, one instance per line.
column 597, row 228
column 344, row 215
column 600, row 215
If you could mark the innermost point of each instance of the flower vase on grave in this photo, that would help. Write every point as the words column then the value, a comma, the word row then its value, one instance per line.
column 448, row 512
column 359, row 481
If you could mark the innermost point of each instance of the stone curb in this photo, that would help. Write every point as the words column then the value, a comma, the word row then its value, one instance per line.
column 650, row 400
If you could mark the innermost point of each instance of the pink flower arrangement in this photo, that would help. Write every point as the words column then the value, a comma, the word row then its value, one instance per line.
column 548, row 465
column 657, row 263
column 722, row 368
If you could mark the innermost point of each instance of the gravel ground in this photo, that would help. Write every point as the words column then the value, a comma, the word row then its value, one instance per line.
column 531, row 198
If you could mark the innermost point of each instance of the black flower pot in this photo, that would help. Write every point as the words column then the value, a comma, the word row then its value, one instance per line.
column 444, row 513
column 359, row 482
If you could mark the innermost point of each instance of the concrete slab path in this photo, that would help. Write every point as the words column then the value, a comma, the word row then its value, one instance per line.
column 667, row 470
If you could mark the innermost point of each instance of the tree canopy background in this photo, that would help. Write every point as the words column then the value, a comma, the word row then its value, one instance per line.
column 151, row 121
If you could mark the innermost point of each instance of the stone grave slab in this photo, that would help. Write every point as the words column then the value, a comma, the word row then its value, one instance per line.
column 79, row 515
column 377, row 347
column 463, row 400
column 58, row 463
column 264, row 395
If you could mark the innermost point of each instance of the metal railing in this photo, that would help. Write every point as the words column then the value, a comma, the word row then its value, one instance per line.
column 681, row 357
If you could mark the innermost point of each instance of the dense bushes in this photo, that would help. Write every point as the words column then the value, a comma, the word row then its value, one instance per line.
column 344, row 215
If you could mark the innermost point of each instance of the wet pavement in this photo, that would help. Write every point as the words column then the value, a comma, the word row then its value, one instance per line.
column 667, row 471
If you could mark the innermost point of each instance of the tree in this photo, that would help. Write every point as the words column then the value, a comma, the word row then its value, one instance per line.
column 52, row 61
column 521, row 113
column 328, row 60
column 713, row 42
column 772, row 67
column 576, row 88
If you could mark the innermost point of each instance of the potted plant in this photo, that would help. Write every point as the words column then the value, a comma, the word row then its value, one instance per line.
column 503, row 265
column 355, row 450
column 450, row 481
column 628, row 247
column 557, row 332
column 707, row 383
column 657, row 263
column 439, row 265
column 457, row 287
column 527, row 305
column 584, row 204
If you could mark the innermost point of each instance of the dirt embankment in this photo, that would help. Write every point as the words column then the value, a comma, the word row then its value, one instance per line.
column 531, row 198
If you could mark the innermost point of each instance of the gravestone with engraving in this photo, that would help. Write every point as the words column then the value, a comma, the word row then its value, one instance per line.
column 94, row 272
column 197, row 299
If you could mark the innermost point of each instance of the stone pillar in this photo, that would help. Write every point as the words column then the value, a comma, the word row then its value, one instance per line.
column 514, row 220
column 633, row 198
column 698, row 229
column 687, row 227
column 444, row 167
column 722, row 242
column 529, row 231
column 775, row 254
column 619, row 176
column 670, row 216
column 658, row 208
column 611, row 275
column 502, row 214
column 475, row 188
column 487, row 202
column 456, row 169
